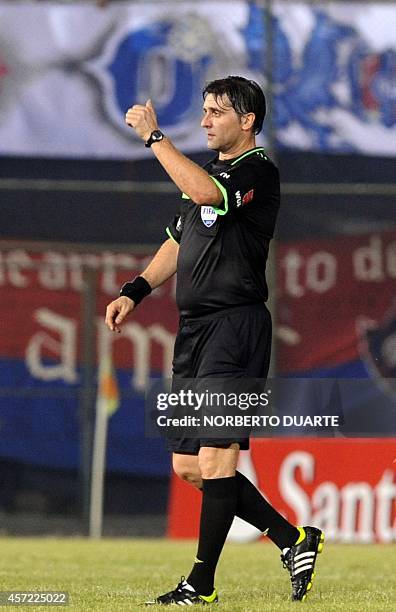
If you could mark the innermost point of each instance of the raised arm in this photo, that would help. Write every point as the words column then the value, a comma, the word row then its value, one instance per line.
column 162, row 266
column 186, row 174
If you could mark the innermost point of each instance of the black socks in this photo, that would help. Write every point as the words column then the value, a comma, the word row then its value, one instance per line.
column 223, row 498
column 253, row 508
column 218, row 510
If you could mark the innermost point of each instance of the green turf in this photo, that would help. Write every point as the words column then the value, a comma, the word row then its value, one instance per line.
column 118, row 574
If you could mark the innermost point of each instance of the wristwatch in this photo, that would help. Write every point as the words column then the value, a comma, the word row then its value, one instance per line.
column 155, row 136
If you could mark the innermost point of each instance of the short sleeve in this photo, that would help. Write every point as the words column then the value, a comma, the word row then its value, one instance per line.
column 175, row 227
column 244, row 184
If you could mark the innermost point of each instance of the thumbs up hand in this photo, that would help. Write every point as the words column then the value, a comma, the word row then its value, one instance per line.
column 142, row 119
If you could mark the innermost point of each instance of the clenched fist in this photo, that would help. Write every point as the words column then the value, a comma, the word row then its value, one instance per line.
column 142, row 119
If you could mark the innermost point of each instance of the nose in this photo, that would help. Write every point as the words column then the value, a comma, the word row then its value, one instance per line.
column 205, row 121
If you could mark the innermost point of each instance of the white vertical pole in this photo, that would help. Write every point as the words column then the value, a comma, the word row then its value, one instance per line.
column 98, row 471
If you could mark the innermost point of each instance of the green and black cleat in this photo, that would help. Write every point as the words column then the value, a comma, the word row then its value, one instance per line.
column 184, row 595
column 300, row 561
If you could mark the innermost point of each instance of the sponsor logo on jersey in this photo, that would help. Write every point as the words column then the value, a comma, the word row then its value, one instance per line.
column 179, row 225
column 238, row 198
column 225, row 175
column 208, row 215
column 248, row 197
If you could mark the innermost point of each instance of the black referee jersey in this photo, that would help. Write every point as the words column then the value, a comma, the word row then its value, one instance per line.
column 223, row 250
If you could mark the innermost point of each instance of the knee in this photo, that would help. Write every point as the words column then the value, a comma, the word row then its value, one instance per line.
column 188, row 474
column 208, row 465
column 218, row 462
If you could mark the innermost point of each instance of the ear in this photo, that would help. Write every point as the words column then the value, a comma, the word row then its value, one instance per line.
column 248, row 121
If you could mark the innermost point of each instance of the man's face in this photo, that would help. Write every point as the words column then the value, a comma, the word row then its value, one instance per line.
column 222, row 124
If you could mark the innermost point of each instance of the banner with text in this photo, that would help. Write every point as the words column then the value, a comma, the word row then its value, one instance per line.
column 337, row 305
column 42, row 345
column 69, row 73
column 345, row 487
column 335, row 319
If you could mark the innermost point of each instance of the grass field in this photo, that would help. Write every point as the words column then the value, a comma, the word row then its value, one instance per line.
column 118, row 574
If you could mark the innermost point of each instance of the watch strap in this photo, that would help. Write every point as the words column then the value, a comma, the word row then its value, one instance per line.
column 155, row 136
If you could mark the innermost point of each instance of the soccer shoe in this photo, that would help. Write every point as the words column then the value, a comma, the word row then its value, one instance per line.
column 184, row 595
column 300, row 561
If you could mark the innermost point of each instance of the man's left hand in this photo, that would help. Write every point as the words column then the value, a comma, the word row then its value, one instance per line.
column 142, row 119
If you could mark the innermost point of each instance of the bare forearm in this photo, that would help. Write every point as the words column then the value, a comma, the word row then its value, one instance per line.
column 186, row 174
column 163, row 265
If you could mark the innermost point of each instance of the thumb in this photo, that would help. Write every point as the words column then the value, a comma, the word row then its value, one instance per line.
column 149, row 104
column 121, row 315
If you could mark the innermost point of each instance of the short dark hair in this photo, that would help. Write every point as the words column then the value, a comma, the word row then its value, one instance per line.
column 245, row 96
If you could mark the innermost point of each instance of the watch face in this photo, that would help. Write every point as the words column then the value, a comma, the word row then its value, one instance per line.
column 155, row 136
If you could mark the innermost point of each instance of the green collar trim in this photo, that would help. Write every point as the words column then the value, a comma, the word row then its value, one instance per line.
column 248, row 153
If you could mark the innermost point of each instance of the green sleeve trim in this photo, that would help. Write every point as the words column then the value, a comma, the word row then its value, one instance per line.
column 170, row 235
column 185, row 197
column 221, row 211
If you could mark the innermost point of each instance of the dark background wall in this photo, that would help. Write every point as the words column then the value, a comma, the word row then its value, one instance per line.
column 113, row 217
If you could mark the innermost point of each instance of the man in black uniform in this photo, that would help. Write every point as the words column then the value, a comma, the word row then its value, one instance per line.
column 218, row 245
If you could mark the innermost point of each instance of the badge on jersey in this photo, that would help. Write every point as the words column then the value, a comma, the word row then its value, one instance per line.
column 248, row 197
column 208, row 215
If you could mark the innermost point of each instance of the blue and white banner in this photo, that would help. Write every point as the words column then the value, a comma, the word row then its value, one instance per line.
column 68, row 73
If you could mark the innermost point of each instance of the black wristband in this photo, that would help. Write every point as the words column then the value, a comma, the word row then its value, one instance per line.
column 136, row 290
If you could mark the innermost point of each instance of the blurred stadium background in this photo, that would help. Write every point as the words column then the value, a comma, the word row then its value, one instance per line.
column 83, row 206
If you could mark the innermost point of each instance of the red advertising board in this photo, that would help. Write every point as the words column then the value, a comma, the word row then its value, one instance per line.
column 329, row 293
column 52, row 303
column 43, row 294
column 346, row 487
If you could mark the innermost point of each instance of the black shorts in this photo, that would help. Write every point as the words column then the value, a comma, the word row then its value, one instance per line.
column 228, row 344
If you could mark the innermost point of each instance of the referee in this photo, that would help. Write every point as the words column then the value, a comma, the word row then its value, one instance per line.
column 218, row 245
